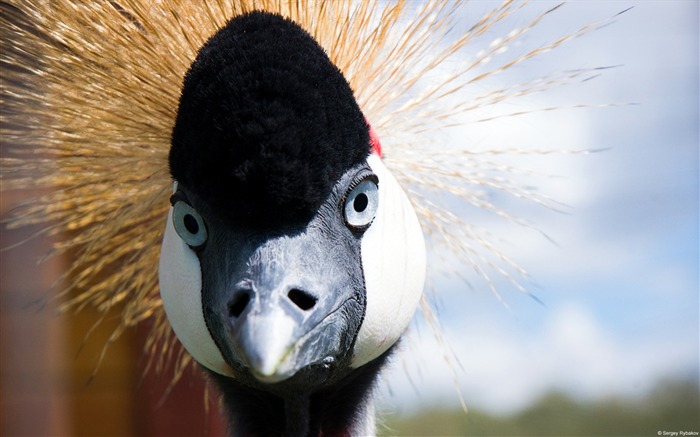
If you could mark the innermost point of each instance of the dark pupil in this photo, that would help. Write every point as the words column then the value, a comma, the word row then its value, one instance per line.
column 191, row 224
column 360, row 202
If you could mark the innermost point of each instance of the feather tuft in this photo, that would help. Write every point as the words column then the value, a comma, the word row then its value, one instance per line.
column 89, row 96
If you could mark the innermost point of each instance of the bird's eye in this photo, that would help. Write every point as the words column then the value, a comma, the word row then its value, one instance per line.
column 361, row 204
column 189, row 225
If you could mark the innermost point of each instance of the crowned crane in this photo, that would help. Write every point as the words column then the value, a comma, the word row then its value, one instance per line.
column 292, row 261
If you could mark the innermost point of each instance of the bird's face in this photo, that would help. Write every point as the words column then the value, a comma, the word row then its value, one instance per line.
column 291, row 256
column 306, row 303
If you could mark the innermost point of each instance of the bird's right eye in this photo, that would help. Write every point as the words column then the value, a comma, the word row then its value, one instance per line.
column 189, row 225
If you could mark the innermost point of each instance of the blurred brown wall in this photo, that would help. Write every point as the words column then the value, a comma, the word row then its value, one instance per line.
column 47, row 362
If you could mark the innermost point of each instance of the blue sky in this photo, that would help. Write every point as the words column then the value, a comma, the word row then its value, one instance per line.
column 620, row 282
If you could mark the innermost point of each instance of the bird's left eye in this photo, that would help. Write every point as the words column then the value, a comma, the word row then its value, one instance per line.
column 361, row 205
column 189, row 225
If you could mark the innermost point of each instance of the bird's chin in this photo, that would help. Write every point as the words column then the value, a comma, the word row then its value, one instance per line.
column 303, row 361
column 293, row 363
column 293, row 374
column 270, row 379
column 307, row 379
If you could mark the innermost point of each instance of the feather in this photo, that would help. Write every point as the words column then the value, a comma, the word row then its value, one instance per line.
column 89, row 96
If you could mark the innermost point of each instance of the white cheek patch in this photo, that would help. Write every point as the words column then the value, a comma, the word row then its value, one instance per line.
column 180, row 280
column 393, row 260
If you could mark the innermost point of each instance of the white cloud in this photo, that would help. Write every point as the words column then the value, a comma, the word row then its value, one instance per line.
column 503, row 369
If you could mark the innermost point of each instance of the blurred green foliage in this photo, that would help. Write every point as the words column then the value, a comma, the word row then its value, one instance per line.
column 672, row 406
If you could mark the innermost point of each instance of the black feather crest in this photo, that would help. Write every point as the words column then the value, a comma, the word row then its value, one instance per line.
column 266, row 123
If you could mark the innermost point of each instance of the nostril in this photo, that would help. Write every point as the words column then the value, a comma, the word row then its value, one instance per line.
column 238, row 304
column 302, row 299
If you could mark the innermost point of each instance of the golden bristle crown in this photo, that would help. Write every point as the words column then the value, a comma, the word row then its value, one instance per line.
column 89, row 98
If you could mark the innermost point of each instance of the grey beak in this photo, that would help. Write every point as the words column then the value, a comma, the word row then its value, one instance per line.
column 290, row 309
column 269, row 335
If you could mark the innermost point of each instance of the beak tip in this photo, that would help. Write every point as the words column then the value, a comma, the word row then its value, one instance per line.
column 269, row 353
column 268, row 378
column 268, row 369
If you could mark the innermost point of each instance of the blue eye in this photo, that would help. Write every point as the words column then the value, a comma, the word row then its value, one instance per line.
column 189, row 225
column 361, row 205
